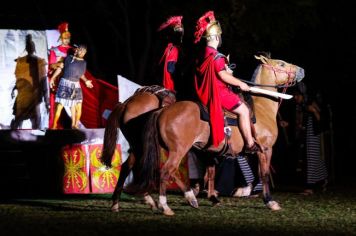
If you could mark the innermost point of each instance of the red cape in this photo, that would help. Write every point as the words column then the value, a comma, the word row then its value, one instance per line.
column 207, row 91
column 170, row 54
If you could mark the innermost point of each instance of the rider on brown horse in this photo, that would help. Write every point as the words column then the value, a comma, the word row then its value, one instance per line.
column 173, row 27
column 212, row 83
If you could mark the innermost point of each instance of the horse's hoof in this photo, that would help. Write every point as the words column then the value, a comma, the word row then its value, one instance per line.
column 168, row 212
column 273, row 205
column 192, row 200
column 243, row 192
column 115, row 207
column 194, row 204
column 214, row 200
column 149, row 201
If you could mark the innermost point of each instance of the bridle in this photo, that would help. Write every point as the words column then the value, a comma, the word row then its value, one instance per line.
column 290, row 82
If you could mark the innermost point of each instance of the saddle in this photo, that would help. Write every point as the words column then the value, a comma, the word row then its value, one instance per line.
column 231, row 119
column 165, row 96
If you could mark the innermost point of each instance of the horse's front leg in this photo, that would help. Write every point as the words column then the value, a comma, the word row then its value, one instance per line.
column 264, row 167
column 125, row 170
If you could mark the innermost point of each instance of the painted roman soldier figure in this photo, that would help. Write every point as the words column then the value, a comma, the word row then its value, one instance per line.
column 56, row 58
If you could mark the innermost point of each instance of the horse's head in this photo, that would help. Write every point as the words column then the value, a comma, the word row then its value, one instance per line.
column 283, row 73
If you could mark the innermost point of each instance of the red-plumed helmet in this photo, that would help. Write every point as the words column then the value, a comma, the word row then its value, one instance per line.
column 174, row 22
column 207, row 26
column 63, row 30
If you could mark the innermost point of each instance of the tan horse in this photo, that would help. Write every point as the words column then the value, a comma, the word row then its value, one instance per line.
column 178, row 127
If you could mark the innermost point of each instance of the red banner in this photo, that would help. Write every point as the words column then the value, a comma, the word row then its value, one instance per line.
column 103, row 96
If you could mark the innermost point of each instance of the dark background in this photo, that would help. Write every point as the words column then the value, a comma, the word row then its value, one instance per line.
column 122, row 39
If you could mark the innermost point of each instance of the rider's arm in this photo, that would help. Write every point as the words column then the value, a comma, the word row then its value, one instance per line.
column 230, row 79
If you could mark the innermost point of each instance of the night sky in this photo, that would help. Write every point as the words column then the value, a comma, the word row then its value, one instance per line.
column 122, row 39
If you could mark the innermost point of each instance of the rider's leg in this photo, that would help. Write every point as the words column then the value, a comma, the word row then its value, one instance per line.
column 245, row 124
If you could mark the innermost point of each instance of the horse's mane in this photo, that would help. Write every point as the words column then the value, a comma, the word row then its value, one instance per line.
column 247, row 96
column 255, row 73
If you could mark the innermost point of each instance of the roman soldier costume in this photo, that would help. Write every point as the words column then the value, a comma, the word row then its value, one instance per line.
column 171, row 53
column 56, row 58
column 206, row 77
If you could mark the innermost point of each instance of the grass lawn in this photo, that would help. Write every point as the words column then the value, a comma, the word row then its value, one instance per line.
column 330, row 213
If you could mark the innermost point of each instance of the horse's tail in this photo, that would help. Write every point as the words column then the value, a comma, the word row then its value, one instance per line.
column 147, row 174
column 110, row 135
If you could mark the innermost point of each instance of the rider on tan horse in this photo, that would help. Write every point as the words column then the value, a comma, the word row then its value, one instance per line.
column 212, row 83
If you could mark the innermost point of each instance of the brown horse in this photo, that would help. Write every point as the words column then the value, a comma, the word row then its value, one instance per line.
column 142, row 101
column 178, row 127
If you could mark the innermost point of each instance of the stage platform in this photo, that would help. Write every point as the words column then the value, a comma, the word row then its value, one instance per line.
column 55, row 161
column 52, row 162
